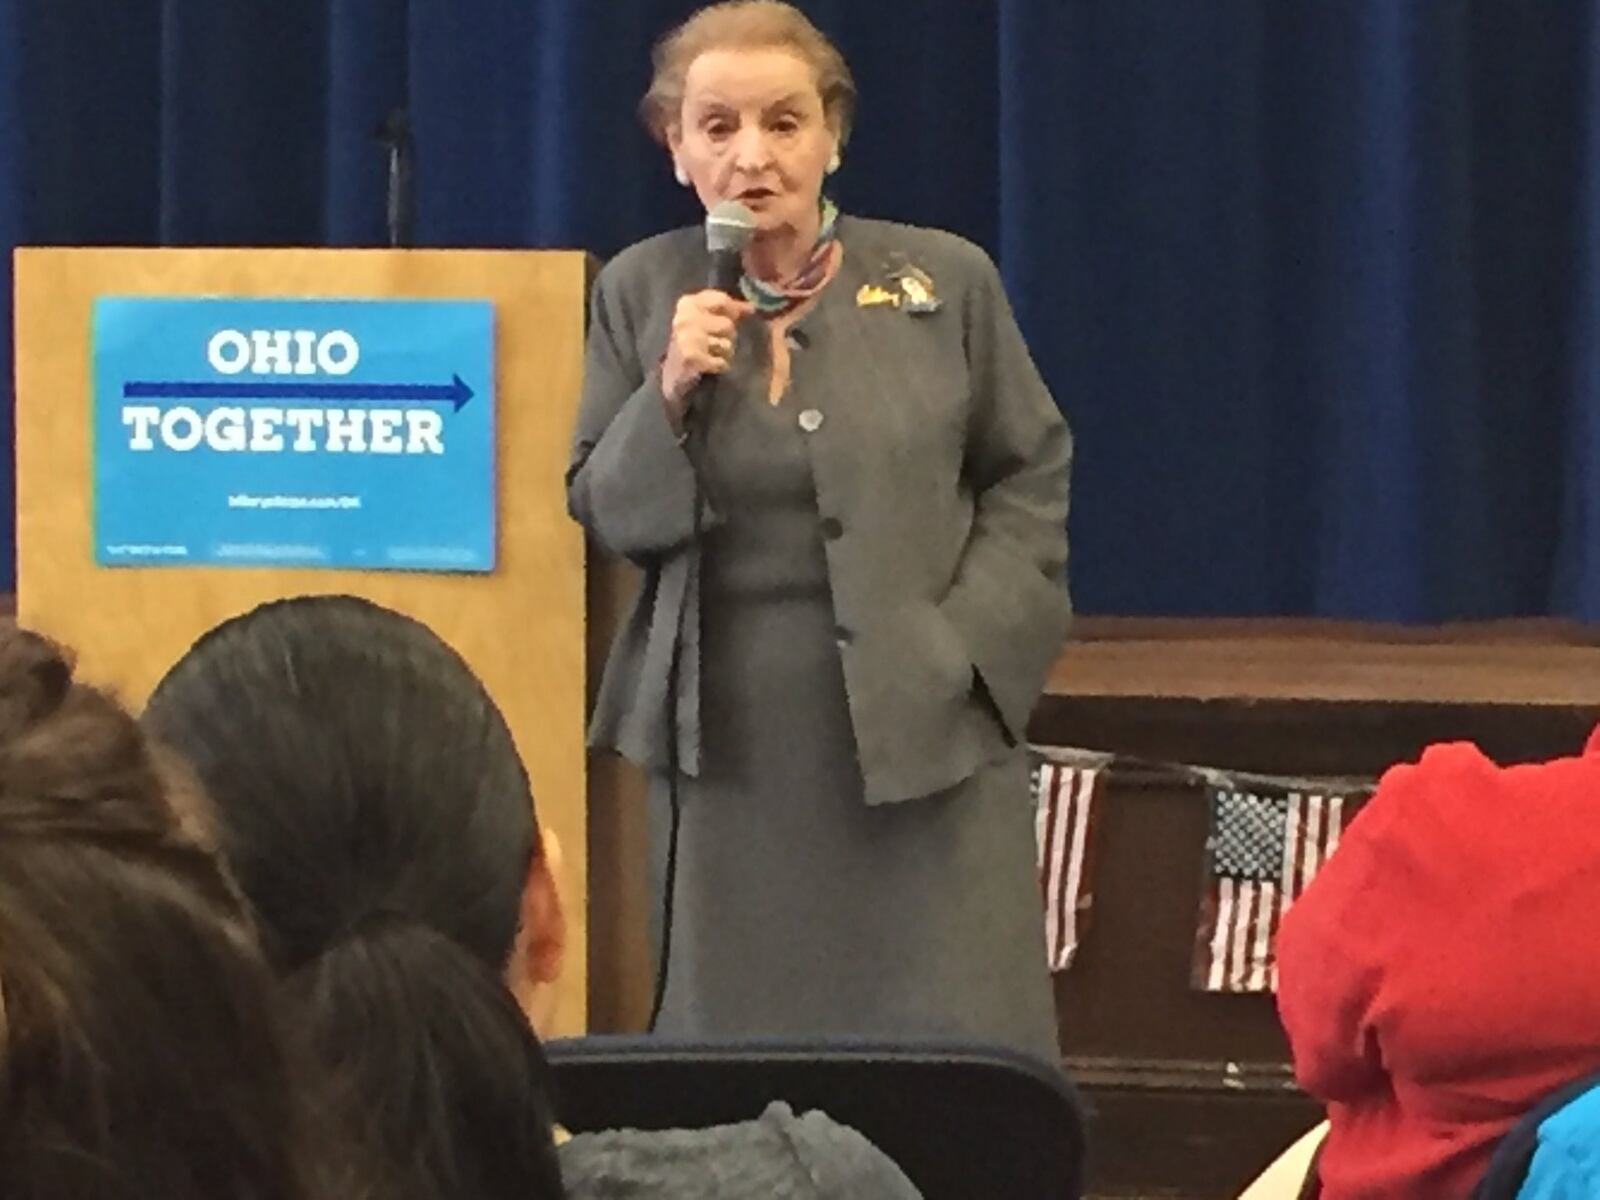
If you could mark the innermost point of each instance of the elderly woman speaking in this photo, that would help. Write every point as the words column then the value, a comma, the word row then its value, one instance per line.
column 846, row 485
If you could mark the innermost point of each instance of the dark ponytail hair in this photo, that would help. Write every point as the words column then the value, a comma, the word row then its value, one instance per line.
column 371, row 801
column 432, row 1055
column 140, row 1053
column 357, row 767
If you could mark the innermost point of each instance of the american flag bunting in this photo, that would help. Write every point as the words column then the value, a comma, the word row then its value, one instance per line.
column 1265, row 846
column 1066, row 797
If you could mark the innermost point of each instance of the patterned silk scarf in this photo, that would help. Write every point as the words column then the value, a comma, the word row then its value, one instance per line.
column 780, row 305
column 773, row 300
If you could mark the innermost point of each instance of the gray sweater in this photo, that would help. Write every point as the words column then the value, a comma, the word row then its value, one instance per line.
column 778, row 1156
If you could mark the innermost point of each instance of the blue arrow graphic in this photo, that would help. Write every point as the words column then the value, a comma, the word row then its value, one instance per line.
column 455, row 392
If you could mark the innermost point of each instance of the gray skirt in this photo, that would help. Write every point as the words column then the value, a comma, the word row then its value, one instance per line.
column 801, row 911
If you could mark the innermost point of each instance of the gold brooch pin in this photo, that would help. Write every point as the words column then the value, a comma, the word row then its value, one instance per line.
column 871, row 294
column 917, row 287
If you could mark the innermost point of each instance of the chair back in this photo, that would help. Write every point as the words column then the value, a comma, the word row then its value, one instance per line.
column 960, row 1121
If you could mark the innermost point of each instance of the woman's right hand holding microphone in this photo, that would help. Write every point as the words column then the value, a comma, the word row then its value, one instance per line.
column 701, row 343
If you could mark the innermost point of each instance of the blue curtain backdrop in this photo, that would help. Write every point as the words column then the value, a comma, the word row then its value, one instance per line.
column 1317, row 284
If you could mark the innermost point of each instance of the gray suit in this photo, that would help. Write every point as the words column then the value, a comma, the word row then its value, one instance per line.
column 936, row 464
column 942, row 455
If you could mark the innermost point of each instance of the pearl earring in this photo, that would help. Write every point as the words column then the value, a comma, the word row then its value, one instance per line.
column 680, row 175
column 833, row 163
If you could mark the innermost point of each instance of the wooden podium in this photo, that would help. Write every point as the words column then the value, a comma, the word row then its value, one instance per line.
column 521, row 626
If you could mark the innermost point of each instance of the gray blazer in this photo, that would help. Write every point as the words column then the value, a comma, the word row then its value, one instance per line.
column 937, row 449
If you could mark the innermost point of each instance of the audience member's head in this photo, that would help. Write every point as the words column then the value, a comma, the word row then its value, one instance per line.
column 369, row 798
column 139, row 1053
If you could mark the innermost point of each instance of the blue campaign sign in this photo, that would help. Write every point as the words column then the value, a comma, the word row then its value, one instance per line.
column 348, row 433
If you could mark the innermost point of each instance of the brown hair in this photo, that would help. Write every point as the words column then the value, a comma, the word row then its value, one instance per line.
column 746, row 25
column 140, row 1049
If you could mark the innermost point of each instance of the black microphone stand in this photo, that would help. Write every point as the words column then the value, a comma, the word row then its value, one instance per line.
column 401, row 201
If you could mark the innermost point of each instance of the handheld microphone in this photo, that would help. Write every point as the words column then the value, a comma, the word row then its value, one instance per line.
column 729, row 226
